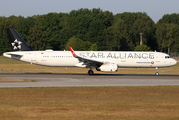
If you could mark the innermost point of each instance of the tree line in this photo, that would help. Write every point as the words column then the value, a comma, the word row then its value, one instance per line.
column 94, row 29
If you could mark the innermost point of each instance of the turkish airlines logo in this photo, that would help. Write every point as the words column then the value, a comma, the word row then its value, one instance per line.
column 152, row 62
column 16, row 44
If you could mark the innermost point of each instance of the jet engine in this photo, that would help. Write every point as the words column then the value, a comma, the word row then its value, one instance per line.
column 109, row 67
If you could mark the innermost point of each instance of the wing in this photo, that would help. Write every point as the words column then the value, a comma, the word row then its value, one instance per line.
column 88, row 62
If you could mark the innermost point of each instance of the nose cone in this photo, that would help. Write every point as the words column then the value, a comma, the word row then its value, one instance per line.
column 173, row 62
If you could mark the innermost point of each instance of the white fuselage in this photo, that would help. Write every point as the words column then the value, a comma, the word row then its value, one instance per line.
column 121, row 58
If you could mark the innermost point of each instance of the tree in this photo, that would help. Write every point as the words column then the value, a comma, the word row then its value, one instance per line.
column 134, row 23
column 77, row 44
column 167, row 35
column 169, row 18
column 161, row 36
column 111, row 39
column 95, row 29
column 147, row 27
column 93, row 47
column 4, row 43
column 117, row 37
column 24, row 25
column 37, row 38
column 175, row 47
column 4, row 23
column 142, row 48
column 171, row 35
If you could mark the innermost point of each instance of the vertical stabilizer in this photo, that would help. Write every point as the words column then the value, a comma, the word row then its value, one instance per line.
column 17, row 43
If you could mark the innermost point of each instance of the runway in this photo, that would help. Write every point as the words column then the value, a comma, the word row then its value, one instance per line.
column 76, row 79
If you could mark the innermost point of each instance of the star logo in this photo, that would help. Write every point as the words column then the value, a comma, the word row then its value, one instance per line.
column 16, row 44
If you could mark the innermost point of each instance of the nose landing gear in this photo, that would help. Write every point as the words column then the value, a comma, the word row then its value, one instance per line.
column 156, row 71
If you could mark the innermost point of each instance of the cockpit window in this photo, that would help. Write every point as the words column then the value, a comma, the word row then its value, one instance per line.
column 166, row 57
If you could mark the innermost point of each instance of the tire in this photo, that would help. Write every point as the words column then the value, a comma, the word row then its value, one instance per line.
column 156, row 73
column 90, row 72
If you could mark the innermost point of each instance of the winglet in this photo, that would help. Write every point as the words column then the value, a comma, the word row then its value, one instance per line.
column 72, row 51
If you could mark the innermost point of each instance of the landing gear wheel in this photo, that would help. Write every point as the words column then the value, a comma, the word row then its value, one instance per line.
column 156, row 73
column 90, row 72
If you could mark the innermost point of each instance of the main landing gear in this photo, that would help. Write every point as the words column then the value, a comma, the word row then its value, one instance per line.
column 156, row 71
column 90, row 72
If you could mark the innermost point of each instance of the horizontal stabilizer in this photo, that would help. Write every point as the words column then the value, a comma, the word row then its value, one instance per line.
column 13, row 53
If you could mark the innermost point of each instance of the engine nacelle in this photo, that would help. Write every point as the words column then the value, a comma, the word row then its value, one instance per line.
column 110, row 67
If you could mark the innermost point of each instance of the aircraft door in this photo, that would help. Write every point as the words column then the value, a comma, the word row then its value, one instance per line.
column 33, row 58
column 157, row 58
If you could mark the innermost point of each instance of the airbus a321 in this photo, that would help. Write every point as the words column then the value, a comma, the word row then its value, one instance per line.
column 105, row 61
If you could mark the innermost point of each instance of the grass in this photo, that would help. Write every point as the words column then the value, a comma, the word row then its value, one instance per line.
column 101, row 103
column 9, row 65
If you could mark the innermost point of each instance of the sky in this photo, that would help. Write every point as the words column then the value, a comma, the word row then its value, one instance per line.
column 154, row 8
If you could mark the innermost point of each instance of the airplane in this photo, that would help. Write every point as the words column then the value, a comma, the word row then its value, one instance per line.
column 105, row 61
